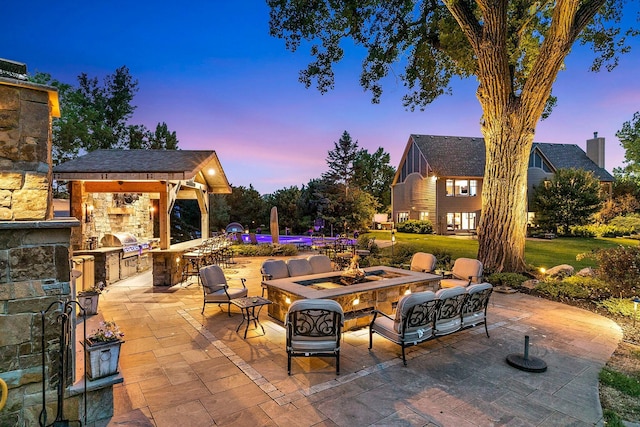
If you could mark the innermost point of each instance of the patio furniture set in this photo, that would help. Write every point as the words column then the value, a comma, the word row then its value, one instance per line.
column 314, row 325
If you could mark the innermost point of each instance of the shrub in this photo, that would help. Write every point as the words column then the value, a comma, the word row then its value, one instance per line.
column 265, row 250
column 415, row 226
column 366, row 242
column 513, row 280
column 631, row 222
column 620, row 266
column 600, row 230
column 618, row 306
column 575, row 287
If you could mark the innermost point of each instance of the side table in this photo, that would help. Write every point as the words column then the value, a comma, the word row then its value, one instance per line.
column 248, row 307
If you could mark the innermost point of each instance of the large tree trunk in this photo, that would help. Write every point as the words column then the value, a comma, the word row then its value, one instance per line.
column 502, row 228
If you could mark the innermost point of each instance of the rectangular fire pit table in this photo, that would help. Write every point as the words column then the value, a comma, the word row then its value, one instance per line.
column 381, row 289
column 248, row 307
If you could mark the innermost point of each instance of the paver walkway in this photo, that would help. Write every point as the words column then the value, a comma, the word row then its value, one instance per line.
column 182, row 368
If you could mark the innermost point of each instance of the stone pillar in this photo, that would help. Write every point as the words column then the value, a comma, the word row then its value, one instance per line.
column 34, row 255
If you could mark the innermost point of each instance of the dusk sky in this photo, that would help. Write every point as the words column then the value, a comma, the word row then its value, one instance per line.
column 211, row 71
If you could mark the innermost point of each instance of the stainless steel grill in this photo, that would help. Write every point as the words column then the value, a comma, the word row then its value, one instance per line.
column 126, row 241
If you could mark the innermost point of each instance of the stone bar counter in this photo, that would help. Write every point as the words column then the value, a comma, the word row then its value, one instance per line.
column 167, row 263
column 382, row 288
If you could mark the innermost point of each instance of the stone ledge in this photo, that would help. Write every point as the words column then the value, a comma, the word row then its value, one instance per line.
column 62, row 222
column 78, row 387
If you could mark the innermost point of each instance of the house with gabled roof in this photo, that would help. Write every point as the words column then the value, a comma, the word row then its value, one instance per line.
column 439, row 178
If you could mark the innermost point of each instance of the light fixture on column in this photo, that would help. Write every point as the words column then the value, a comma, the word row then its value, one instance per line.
column 88, row 213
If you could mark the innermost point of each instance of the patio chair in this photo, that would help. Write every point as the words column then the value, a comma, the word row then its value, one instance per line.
column 411, row 324
column 424, row 262
column 299, row 267
column 474, row 311
column 320, row 264
column 216, row 290
column 313, row 330
column 366, row 252
column 273, row 269
column 465, row 272
column 449, row 311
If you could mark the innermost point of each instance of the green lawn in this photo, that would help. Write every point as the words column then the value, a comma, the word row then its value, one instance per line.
column 538, row 253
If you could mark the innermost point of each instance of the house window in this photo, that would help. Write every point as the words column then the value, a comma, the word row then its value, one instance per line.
column 403, row 216
column 536, row 161
column 461, row 221
column 462, row 187
column 424, row 216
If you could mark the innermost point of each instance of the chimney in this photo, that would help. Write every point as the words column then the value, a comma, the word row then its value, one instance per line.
column 595, row 150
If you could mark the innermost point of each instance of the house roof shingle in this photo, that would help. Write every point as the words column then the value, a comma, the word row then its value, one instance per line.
column 145, row 165
column 465, row 156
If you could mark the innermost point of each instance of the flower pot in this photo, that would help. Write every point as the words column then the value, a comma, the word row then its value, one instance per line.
column 89, row 301
column 101, row 358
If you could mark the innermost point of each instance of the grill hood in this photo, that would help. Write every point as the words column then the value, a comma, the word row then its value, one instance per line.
column 118, row 240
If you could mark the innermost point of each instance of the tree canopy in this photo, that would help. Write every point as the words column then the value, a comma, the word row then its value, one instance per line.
column 96, row 115
column 571, row 197
column 629, row 137
column 515, row 50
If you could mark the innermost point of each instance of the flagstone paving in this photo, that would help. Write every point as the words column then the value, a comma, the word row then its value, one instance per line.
column 182, row 368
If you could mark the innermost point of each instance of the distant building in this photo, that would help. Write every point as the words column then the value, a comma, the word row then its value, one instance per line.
column 439, row 178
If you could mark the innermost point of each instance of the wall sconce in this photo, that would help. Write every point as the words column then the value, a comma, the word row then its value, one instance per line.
column 88, row 213
column 152, row 209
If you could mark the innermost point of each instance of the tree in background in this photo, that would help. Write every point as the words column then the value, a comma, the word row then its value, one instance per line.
column 161, row 139
column 247, row 207
column 514, row 49
column 340, row 161
column 374, row 175
column 96, row 115
column 571, row 197
column 286, row 200
column 629, row 137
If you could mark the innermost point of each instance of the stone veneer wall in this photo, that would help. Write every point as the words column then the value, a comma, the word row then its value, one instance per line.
column 34, row 262
column 108, row 218
column 25, row 154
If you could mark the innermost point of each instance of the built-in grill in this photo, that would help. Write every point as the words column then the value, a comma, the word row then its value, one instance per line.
column 133, row 257
column 127, row 241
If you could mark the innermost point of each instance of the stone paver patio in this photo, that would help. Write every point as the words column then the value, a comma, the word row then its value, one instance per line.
column 184, row 368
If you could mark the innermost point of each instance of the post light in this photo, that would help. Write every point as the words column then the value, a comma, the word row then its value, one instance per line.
column 636, row 300
column 393, row 239
column 543, row 270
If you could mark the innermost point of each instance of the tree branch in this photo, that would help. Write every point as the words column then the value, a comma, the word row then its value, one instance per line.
column 467, row 21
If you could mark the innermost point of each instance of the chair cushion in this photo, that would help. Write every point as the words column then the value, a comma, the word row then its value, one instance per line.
column 464, row 268
column 304, row 344
column 448, row 316
column 422, row 261
column 299, row 267
column 408, row 301
column 320, row 264
column 275, row 268
column 473, row 311
column 453, row 283
column 221, row 296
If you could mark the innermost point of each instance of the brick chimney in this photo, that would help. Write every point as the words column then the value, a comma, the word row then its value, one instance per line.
column 595, row 150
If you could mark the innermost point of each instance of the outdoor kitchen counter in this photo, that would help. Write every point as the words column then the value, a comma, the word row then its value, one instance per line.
column 167, row 266
column 357, row 300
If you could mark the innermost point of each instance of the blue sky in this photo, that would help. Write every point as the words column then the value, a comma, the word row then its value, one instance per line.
column 215, row 76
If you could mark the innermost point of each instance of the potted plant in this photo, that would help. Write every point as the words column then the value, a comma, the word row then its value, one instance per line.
column 88, row 298
column 102, row 351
